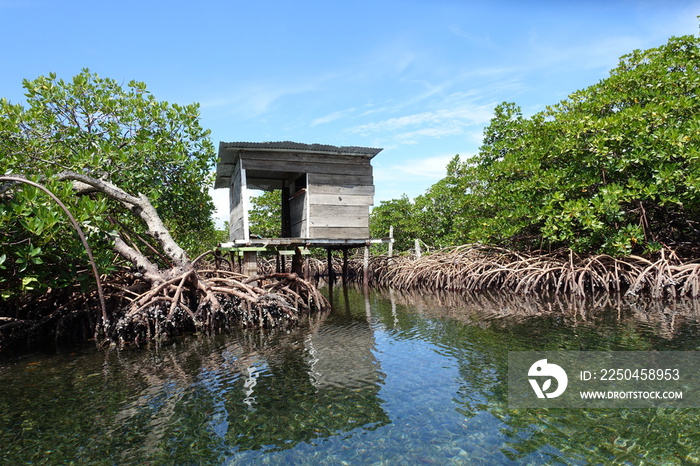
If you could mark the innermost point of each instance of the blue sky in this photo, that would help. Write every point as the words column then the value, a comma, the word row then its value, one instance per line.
column 417, row 78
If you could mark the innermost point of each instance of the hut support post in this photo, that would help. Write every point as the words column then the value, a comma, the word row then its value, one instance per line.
column 283, row 263
column 345, row 265
column 331, row 272
column 365, row 266
column 298, row 263
column 391, row 240
column 250, row 263
column 305, row 267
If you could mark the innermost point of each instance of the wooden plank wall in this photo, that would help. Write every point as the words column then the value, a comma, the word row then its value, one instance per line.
column 238, row 199
column 339, row 210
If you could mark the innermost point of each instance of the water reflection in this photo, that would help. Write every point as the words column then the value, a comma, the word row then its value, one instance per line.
column 254, row 392
column 385, row 378
column 343, row 357
column 660, row 321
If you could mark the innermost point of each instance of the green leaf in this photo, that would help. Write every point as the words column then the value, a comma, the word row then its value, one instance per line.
column 29, row 283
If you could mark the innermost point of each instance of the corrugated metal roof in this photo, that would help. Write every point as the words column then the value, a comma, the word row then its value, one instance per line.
column 296, row 146
column 229, row 153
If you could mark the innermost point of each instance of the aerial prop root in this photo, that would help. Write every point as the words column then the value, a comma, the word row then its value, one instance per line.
column 201, row 299
column 662, row 275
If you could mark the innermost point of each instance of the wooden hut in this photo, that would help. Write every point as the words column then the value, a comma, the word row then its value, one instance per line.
column 325, row 191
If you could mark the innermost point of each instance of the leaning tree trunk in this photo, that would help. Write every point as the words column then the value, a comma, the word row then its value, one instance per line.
column 141, row 207
column 184, row 297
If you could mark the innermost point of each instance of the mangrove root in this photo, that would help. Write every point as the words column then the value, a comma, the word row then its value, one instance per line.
column 139, row 311
column 479, row 268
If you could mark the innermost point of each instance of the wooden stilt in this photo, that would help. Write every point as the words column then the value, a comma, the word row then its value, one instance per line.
column 250, row 263
column 345, row 265
column 391, row 240
column 365, row 266
column 298, row 262
column 331, row 272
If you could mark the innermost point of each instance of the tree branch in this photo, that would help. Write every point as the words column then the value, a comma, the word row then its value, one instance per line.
column 150, row 270
column 140, row 206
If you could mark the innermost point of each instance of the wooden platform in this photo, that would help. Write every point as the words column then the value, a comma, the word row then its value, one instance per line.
column 280, row 244
column 248, row 250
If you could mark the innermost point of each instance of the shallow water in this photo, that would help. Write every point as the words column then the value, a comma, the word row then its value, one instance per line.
column 386, row 378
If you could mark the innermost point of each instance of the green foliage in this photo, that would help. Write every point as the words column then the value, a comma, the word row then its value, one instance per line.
column 440, row 208
column 265, row 215
column 399, row 213
column 613, row 168
column 95, row 126
column 38, row 248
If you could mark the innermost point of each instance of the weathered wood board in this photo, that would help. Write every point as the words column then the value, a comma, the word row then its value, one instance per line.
column 340, row 233
column 345, row 180
column 238, row 198
column 306, row 167
column 298, row 207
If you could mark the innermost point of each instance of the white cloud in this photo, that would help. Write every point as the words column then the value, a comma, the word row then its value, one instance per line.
column 476, row 138
column 413, row 176
column 332, row 116
column 425, row 168
column 429, row 167
column 253, row 100
column 434, row 124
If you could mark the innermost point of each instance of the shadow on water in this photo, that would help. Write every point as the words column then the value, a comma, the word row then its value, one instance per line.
column 386, row 377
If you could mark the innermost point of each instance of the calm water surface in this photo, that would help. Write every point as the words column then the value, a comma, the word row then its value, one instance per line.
column 386, row 378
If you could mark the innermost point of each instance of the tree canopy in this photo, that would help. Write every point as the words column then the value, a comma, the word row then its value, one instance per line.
column 96, row 127
column 613, row 168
